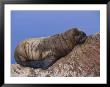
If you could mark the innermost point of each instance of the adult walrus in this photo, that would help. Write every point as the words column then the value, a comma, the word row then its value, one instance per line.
column 43, row 52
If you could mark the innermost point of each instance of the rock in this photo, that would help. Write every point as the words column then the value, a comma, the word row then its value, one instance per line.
column 82, row 61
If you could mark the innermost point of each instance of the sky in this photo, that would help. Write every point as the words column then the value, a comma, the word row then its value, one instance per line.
column 29, row 24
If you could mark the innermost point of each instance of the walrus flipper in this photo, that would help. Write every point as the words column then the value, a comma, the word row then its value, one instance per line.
column 32, row 64
column 47, row 62
column 44, row 64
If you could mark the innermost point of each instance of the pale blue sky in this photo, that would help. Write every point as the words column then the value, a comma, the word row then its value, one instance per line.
column 28, row 24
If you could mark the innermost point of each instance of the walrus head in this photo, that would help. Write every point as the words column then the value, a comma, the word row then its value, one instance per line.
column 80, row 37
column 76, row 35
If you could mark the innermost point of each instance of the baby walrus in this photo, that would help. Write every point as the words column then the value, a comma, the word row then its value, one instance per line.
column 43, row 52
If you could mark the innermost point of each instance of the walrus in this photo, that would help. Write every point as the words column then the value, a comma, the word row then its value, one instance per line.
column 43, row 52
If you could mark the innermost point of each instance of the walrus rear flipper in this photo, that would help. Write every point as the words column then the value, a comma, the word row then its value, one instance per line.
column 44, row 64
column 47, row 62
column 32, row 64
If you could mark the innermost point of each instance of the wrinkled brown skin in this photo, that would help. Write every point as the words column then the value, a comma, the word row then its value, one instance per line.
column 43, row 52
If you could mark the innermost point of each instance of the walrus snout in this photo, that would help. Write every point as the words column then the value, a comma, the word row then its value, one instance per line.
column 82, row 37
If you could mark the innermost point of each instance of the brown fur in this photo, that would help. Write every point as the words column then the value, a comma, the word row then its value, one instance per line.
column 43, row 52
